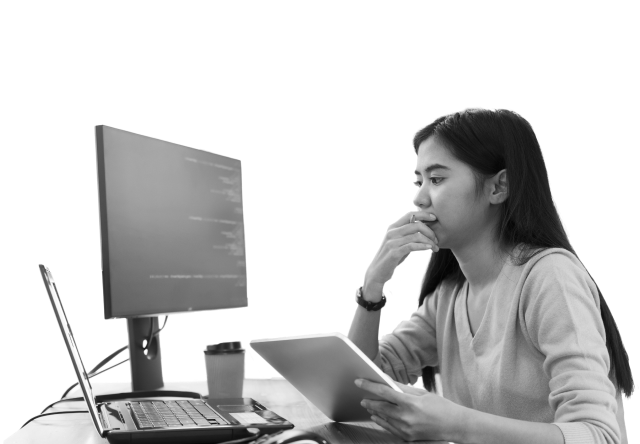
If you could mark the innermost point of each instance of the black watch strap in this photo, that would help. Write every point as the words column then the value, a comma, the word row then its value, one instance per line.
column 370, row 306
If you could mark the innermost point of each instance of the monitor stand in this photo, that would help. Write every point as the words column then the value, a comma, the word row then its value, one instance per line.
column 146, row 369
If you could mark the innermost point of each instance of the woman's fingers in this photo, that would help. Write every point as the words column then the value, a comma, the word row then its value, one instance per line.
column 409, row 229
column 399, row 252
column 413, row 234
column 406, row 249
column 412, row 390
column 425, row 231
column 421, row 237
column 402, row 237
column 406, row 219
column 413, row 216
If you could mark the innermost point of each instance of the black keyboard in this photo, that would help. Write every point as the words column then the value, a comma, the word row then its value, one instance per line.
column 162, row 414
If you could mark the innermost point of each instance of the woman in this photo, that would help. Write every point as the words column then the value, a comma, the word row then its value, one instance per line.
column 526, row 346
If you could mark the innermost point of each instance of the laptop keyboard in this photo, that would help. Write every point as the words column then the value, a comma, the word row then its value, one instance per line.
column 162, row 414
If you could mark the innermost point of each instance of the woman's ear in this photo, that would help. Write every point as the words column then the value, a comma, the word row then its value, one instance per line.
column 499, row 188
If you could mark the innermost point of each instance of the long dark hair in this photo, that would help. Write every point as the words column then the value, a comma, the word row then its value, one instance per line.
column 490, row 141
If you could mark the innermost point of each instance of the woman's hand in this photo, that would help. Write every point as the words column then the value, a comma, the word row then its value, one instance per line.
column 403, row 237
column 414, row 415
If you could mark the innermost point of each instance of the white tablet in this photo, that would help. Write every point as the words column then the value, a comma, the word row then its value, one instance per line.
column 323, row 368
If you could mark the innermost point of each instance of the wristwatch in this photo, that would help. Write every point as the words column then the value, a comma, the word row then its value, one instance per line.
column 370, row 306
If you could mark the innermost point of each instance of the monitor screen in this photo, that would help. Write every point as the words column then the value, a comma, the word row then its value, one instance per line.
column 172, row 227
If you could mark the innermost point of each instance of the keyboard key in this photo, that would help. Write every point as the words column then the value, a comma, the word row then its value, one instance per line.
column 196, row 413
column 205, row 410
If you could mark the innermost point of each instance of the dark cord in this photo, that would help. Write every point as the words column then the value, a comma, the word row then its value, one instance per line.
column 114, row 396
column 107, row 359
column 52, row 403
column 95, row 374
column 54, row 413
column 94, row 371
column 250, row 438
column 147, row 342
column 103, row 366
column 235, row 441
column 37, row 415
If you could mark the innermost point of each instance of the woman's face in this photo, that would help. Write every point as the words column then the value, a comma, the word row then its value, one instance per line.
column 447, row 188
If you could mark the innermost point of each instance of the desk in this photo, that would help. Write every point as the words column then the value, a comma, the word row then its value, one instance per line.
column 276, row 394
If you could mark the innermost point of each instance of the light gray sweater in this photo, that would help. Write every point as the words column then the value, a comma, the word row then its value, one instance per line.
column 539, row 353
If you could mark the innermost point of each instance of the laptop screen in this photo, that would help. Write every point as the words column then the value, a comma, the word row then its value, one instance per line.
column 81, row 373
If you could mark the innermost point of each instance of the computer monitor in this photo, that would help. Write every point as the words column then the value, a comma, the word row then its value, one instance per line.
column 172, row 236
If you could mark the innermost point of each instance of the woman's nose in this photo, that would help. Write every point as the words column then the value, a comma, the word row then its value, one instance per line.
column 421, row 199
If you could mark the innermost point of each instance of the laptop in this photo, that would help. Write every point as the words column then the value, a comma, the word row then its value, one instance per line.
column 323, row 367
column 163, row 420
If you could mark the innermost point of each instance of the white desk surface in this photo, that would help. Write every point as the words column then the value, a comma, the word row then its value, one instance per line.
column 276, row 394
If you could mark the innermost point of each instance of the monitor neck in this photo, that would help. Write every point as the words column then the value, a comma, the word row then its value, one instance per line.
column 146, row 369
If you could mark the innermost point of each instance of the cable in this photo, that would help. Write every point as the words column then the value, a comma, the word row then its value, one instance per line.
column 66, row 392
column 94, row 371
column 91, row 375
column 165, row 321
column 126, row 395
column 143, row 394
column 107, row 359
column 99, row 369
column 37, row 415
column 255, row 433
column 59, row 400
column 108, row 368
column 152, row 336
column 51, row 413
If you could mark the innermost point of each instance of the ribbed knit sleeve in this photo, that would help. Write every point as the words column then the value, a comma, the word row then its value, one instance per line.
column 412, row 345
column 563, row 321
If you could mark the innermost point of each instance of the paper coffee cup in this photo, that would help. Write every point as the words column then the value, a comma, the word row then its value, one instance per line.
column 225, row 369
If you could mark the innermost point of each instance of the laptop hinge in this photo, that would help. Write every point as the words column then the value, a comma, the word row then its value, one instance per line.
column 104, row 417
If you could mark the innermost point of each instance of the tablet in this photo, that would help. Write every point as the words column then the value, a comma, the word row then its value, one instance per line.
column 323, row 368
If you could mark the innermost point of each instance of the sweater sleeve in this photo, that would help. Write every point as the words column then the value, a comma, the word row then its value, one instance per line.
column 563, row 320
column 412, row 345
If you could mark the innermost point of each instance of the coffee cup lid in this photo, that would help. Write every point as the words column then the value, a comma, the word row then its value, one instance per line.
column 224, row 347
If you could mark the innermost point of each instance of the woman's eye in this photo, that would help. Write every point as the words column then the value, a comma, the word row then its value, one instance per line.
column 434, row 181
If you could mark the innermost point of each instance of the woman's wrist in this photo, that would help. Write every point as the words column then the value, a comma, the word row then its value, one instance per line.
column 371, row 291
column 464, row 428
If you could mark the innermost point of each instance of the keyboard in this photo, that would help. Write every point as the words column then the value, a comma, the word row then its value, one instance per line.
column 173, row 414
